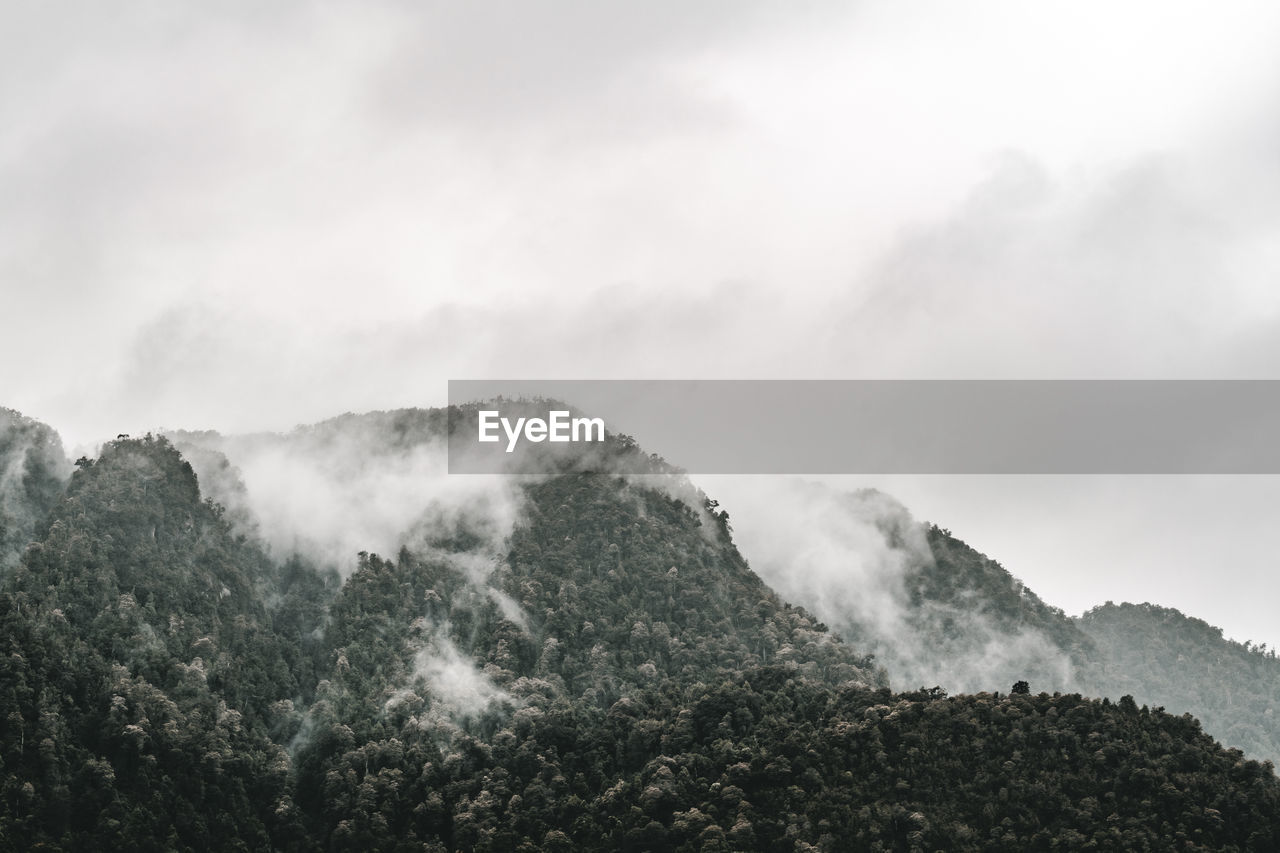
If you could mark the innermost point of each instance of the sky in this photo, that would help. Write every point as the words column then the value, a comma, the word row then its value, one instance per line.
column 245, row 216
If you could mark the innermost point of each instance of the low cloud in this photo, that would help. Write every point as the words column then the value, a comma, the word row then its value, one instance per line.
column 373, row 483
column 456, row 686
column 852, row 558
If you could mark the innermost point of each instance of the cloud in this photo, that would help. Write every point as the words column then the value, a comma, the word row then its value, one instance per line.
column 501, row 68
column 1030, row 264
column 852, row 558
column 458, row 689
column 374, row 483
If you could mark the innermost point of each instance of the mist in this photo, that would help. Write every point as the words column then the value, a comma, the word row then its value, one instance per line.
column 378, row 484
column 33, row 471
column 853, row 558
column 368, row 483
column 459, row 689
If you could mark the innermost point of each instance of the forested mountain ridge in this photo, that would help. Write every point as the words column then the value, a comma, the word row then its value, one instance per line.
column 933, row 610
column 603, row 672
column 595, row 739
column 677, row 595
column 141, row 670
column 945, row 614
column 1164, row 657
column 959, row 573
column 33, row 473
column 1158, row 655
column 963, row 607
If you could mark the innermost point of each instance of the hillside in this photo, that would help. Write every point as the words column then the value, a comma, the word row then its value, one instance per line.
column 1167, row 658
column 33, row 473
column 933, row 610
column 579, row 660
column 142, row 673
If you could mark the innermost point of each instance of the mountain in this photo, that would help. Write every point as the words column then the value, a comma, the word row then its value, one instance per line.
column 577, row 660
column 1158, row 655
column 1164, row 657
column 960, row 579
column 934, row 611
column 142, row 672
column 33, row 473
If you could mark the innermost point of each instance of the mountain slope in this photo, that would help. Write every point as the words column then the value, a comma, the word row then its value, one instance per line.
column 585, row 663
column 630, row 711
column 933, row 610
column 33, row 473
column 142, row 674
column 608, row 590
column 930, row 608
column 1164, row 657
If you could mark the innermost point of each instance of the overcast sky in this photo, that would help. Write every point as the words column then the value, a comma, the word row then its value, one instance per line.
column 244, row 216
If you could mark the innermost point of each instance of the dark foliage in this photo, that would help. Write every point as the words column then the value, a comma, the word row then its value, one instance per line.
column 141, row 675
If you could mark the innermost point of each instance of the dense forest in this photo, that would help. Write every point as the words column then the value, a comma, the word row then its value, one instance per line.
column 590, row 664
